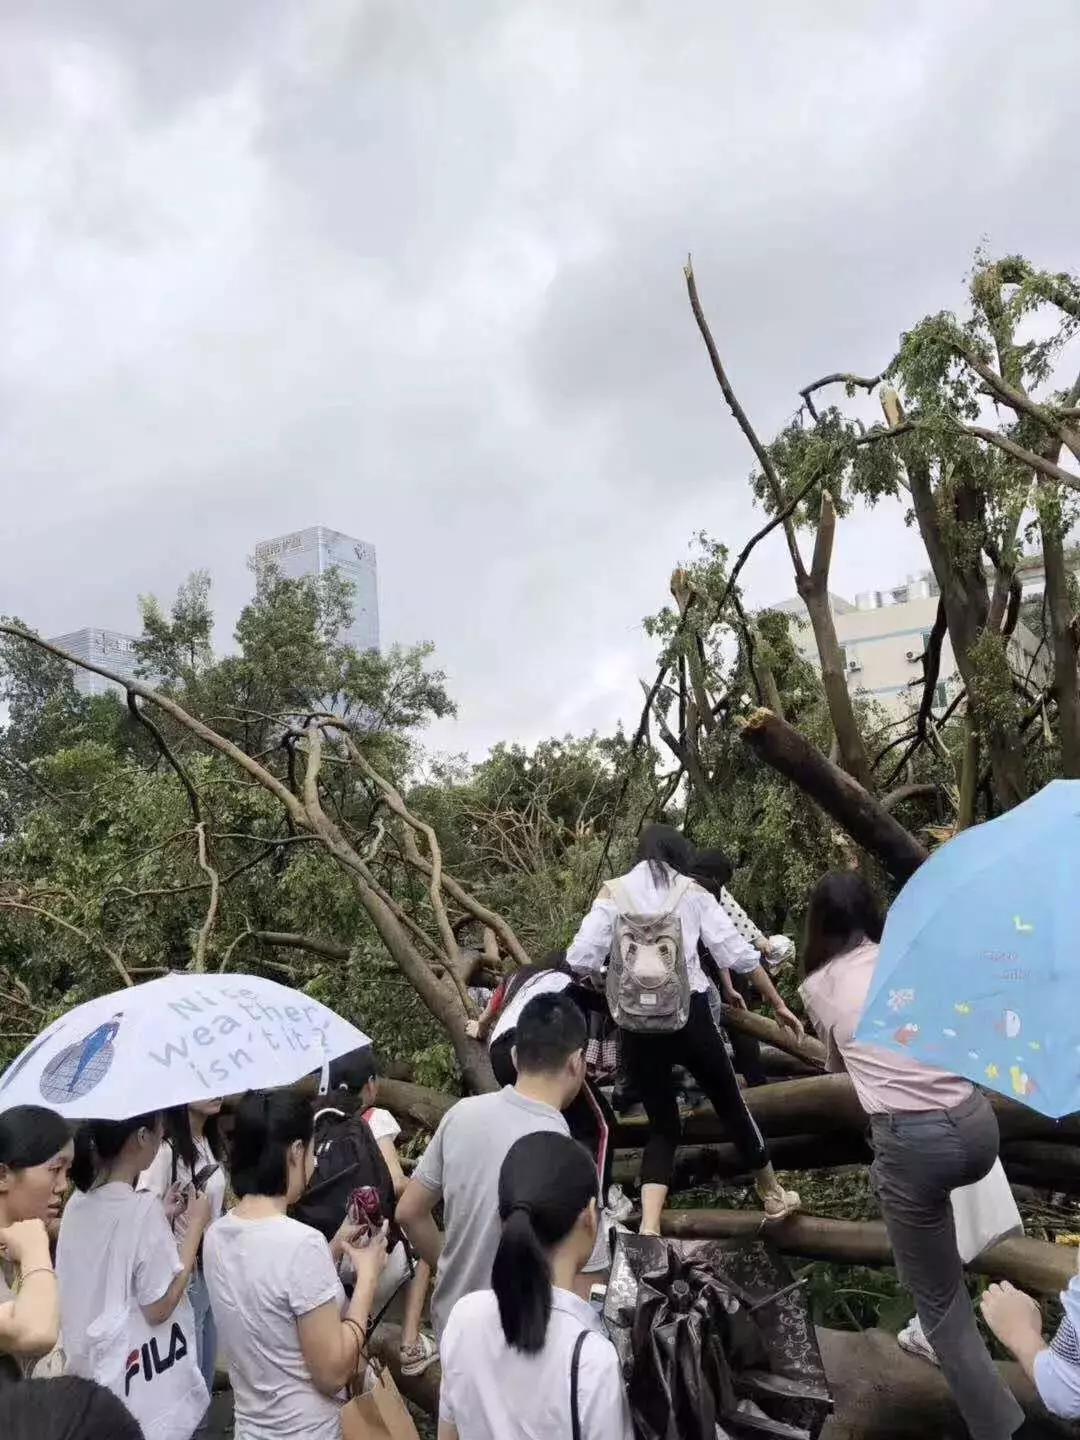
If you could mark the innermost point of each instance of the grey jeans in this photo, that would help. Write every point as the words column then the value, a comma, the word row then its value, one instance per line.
column 919, row 1157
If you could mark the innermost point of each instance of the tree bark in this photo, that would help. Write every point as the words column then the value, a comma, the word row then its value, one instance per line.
column 849, row 804
column 1033, row 1265
column 703, row 1164
column 1063, row 637
column 813, row 588
column 827, row 1104
column 879, row 1392
column 964, row 594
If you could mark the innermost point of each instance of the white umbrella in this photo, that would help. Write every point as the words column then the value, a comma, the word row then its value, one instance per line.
column 175, row 1041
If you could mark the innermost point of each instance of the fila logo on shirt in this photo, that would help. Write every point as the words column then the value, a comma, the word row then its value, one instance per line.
column 148, row 1358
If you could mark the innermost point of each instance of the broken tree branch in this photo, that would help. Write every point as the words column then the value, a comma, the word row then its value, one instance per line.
column 840, row 796
column 84, row 935
column 206, row 929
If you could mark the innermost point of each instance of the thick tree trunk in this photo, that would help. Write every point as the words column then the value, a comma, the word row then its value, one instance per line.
column 703, row 1164
column 1033, row 1265
column 813, row 588
column 1063, row 637
column 826, row 1105
column 879, row 1393
column 849, row 804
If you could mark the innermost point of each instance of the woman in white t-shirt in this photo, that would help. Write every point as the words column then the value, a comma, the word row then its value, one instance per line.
column 521, row 1359
column 116, row 1255
column 291, row 1342
column 190, row 1158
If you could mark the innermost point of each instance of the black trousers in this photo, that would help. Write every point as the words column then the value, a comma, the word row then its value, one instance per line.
column 590, row 1118
column 747, row 1050
column 698, row 1046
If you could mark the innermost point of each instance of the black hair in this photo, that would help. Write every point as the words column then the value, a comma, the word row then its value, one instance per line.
column 549, row 1030
column 64, row 1408
column 265, row 1124
column 99, row 1142
column 843, row 910
column 546, row 1181
column 712, row 868
column 353, row 1071
column 556, row 960
column 182, row 1142
column 31, row 1135
column 663, row 846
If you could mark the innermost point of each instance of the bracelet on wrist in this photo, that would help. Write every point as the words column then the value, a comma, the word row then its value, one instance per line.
column 37, row 1270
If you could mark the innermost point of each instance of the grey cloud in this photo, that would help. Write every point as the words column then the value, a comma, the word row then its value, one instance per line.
column 415, row 272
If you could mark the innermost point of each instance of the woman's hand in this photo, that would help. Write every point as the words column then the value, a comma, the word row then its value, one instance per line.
column 368, row 1259
column 734, row 1001
column 196, row 1212
column 349, row 1233
column 472, row 1029
column 26, row 1243
column 790, row 1021
column 1013, row 1316
column 174, row 1200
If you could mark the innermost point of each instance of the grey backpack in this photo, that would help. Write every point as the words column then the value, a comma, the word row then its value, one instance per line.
column 648, row 985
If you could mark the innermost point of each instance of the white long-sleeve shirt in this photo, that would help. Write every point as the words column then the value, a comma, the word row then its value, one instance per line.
column 702, row 918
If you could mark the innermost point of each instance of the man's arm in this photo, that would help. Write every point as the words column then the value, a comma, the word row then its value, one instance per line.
column 414, row 1215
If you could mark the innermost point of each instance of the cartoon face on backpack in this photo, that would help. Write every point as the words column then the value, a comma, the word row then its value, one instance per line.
column 648, row 984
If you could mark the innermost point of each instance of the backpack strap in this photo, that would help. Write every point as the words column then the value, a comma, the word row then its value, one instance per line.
column 575, row 1375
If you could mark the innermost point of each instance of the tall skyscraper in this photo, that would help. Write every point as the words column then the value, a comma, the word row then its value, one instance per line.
column 108, row 648
column 316, row 550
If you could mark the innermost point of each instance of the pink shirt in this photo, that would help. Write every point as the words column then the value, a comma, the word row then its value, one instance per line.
column 884, row 1081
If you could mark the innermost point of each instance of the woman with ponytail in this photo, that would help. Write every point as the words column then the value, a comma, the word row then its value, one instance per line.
column 123, row 1280
column 528, row 1359
column 35, row 1157
column 290, row 1339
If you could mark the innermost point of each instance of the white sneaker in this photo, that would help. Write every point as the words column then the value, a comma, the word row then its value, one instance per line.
column 913, row 1340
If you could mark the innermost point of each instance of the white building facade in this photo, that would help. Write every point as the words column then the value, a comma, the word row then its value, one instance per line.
column 318, row 549
column 109, row 648
column 884, row 636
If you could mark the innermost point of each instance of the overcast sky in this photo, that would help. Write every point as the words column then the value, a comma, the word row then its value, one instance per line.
column 414, row 271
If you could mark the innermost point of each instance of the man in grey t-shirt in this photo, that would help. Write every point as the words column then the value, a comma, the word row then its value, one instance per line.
column 461, row 1165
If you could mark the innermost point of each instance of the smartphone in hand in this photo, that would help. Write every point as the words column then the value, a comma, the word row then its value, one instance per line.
column 202, row 1177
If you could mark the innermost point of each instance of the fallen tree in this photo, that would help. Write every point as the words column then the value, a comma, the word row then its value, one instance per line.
column 839, row 795
column 826, row 1104
column 879, row 1392
column 1034, row 1265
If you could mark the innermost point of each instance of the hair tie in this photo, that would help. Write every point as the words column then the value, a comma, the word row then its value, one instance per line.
column 520, row 1205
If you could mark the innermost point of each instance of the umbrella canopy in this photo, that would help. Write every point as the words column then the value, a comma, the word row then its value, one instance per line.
column 175, row 1041
column 979, row 966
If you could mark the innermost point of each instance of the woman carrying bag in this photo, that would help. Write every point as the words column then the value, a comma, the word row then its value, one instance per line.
column 653, row 918
column 529, row 1359
column 932, row 1132
column 125, row 1316
column 291, row 1341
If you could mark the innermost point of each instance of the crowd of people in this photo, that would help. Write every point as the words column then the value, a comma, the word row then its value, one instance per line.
column 181, row 1247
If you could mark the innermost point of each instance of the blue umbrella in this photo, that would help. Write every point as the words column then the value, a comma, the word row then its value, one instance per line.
column 979, row 967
